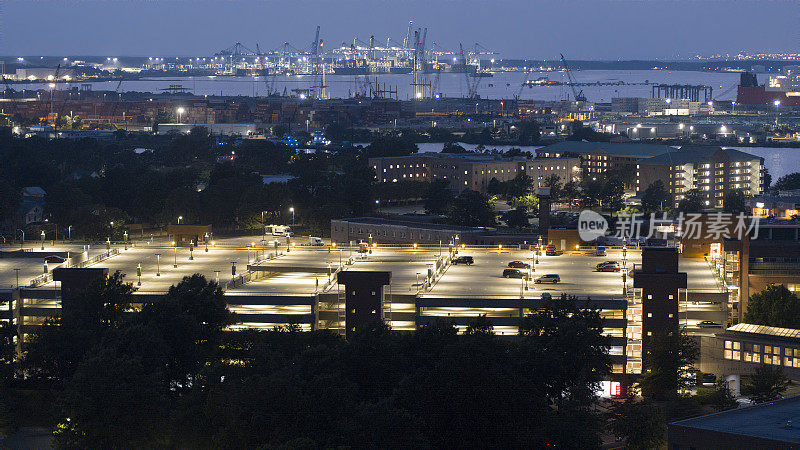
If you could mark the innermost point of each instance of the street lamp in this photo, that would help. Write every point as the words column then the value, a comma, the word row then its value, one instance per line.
column 139, row 274
column 191, row 250
column 179, row 219
column 175, row 253
column 125, row 237
column 206, row 241
column 291, row 209
column 158, row 264
column 42, row 239
column 777, row 104
column 69, row 232
column 180, row 112
column 22, row 242
column 539, row 249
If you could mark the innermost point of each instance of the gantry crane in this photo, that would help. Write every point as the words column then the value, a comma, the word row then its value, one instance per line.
column 579, row 97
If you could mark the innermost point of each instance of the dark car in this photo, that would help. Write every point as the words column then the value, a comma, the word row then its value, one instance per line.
column 551, row 251
column 519, row 265
column 708, row 324
column 514, row 273
column 53, row 259
column 468, row 260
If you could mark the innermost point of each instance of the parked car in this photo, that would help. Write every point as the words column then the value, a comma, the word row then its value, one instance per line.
column 53, row 259
column 546, row 296
column 468, row 260
column 548, row 278
column 514, row 273
column 519, row 265
column 608, row 266
column 552, row 251
column 708, row 324
column 600, row 250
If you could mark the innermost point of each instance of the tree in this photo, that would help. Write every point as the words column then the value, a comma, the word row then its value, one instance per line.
column 640, row 423
column 669, row 355
column 519, row 186
column 767, row 179
column 765, row 384
column 720, row 396
column 518, row 218
column 553, row 181
column 472, row 209
column 390, row 146
column 57, row 348
column 437, row 197
column 788, row 182
column 775, row 306
column 733, row 202
column 570, row 191
column 452, row 147
column 655, row 198
column 692, row 202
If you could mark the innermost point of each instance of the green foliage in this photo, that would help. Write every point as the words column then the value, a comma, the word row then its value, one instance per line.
column 692, row 202
column 765, row 384
column 453, row 148
column 655, row 198
column 720, row 396
column 733, row 202
column 603, row 190
column 788, row 182
column 640, row 423
column 438, row 197
column 666, row 362
column 518, row 218
column 775, row 306
column 390, row 146
column 473, row 209
column 553, row 181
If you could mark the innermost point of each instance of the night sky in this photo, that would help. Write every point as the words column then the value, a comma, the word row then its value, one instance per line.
column 590, row 29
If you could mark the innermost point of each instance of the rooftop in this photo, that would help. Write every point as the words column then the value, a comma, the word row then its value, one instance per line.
column 766, row 421
column 413, row 224
column 764, row 330
column 641, row 150
column 697, row 154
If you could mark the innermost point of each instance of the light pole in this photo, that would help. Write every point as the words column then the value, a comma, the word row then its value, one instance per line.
column 624, row 268
column 42, row 239
column 22, row 242
column 370, row 244
column 539, row 249
column 180, row 112
column 216, row 273
column 139, row 274
column 777, row 104
column 206, row 241
column 69, row 232
column 291, row 209
column 125, row 238
column 179, row 219
column 158, row 264
column 175, row 253
column 191, row 250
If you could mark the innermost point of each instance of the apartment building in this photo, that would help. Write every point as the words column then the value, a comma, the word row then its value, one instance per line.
column 597, row 158
column 711, row 170
column 471, row 171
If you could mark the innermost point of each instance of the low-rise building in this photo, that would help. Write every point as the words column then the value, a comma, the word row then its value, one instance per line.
column 471, row 171
column 601, row 157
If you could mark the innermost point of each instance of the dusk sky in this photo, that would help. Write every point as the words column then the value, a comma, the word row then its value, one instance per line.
column 599, row 29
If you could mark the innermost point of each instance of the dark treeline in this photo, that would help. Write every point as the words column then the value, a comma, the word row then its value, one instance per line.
column 173, row 375
column 152, row 180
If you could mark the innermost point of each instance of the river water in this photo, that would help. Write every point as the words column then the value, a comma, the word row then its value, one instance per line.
column 778, row 161
column 503, row 85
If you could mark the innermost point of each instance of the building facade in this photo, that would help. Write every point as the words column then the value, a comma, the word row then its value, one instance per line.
column 472, row 171
column 711, row 170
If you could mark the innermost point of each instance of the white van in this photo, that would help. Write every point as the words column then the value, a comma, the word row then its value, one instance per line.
column 280, row 230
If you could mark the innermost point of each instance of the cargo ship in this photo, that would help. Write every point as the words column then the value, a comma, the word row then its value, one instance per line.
column 780, row 90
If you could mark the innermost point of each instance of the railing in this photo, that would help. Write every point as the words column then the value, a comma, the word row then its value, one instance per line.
column 48, row 277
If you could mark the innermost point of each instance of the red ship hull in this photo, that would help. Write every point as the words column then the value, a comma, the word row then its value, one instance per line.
column 757, row 95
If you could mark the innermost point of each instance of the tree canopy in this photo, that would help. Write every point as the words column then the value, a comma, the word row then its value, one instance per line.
column 775, row 306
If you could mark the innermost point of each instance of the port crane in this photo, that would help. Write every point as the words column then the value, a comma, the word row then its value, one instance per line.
column 473, row 80
column 579, row 97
